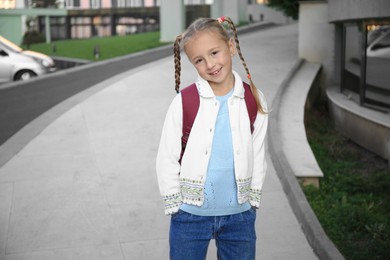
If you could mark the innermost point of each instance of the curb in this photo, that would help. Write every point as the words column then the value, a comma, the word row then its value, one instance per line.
column 316, row 236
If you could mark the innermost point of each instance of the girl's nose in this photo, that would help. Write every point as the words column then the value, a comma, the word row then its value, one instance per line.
column 210, row 63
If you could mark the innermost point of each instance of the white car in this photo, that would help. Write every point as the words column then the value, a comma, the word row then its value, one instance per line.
column 379, row 43
column 19, row 64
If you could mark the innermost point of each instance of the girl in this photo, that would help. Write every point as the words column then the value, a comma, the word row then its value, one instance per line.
column 212, row 191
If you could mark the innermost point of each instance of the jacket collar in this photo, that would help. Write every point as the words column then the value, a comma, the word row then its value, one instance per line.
column 205, row 90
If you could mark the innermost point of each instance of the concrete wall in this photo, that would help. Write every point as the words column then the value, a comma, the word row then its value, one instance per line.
column 243, row 11
column 364, row 126
column 172, row 19
column 357, row 9
column 216, row 9
column 316, row 39
column 228, row 8
column 262, row 12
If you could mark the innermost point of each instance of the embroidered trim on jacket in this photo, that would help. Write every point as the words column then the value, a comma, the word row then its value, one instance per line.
column 244, row 187
column 172, row 201
column 255, row 195
column 191, row 190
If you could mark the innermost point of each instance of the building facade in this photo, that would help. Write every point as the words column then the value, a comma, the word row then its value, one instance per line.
column 351, row 39
column 93, row 18
column 101, row 18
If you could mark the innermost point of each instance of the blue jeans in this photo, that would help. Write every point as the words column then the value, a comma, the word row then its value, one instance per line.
column 235, row 236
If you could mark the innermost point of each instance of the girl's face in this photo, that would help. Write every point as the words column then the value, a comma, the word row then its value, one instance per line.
column 212, row 58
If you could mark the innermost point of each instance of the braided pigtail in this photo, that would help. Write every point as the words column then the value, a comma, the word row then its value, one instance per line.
column 253, row 87
column 176, row 53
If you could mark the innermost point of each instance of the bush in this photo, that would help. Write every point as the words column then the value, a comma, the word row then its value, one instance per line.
column 32, row 38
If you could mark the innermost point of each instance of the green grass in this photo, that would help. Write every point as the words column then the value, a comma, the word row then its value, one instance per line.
column 353, row 201
column 110, row 47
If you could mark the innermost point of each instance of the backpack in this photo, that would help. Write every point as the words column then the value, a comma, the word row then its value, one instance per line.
column 190, row 106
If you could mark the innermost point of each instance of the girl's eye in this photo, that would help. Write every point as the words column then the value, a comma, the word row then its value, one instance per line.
column 198, row 61
column 214, row 53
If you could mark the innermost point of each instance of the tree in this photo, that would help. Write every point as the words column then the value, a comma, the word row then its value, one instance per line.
column 289, row 7
column 32, row 35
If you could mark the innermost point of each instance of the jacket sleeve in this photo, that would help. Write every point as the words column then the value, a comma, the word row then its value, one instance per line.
column 167, row 165
column 259, row 161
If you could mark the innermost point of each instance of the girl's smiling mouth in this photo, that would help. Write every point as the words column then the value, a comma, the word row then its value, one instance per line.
column 215, row 72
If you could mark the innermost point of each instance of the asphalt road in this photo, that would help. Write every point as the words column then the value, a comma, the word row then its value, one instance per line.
column 22, row 102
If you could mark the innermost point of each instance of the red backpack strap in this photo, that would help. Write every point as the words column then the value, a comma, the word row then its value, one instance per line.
column 251, row 105
column 190, row 106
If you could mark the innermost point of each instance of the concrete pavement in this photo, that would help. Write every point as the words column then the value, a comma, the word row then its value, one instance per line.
column 85, row 187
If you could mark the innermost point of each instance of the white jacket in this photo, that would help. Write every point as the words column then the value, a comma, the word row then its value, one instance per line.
column 184, row 183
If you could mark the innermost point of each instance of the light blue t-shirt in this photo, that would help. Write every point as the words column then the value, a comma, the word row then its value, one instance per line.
column 220, row 190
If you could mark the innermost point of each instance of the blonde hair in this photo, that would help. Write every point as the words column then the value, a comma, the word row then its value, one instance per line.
column 214, row 25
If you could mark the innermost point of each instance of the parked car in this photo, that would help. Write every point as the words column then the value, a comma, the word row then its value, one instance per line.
column 19, row 64
column 378, row 42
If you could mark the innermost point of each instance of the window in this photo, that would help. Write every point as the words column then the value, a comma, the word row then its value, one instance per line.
column 80, row 27
column 352, row 61
column 131, row 3
column 95, row 4
column 366, row 63
column 72, row 3
column 377, row 80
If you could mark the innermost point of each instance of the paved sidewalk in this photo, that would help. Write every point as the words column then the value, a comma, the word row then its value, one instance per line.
column 86, row 188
